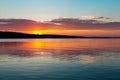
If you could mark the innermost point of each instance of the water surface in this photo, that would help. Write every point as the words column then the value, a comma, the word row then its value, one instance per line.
column 59, row 59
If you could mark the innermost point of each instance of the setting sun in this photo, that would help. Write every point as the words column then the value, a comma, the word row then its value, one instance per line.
column 37, row 32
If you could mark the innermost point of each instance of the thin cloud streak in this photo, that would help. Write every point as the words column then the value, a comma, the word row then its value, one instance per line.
column 74, row 23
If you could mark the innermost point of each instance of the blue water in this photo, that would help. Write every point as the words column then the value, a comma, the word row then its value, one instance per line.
column 60, row 59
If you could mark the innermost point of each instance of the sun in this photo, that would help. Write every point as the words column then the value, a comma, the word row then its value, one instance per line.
column 37, row 32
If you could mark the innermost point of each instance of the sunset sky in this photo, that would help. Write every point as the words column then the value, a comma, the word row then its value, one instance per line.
column 68, row 17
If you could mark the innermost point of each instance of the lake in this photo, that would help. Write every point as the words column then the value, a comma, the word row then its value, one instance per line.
column 59, row 59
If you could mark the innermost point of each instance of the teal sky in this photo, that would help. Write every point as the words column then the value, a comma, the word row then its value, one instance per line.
column 43, row 10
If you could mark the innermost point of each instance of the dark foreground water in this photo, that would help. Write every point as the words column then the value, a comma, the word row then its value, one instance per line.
column 60, row 59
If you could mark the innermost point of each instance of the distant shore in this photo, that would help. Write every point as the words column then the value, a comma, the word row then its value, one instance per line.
column 17, row 35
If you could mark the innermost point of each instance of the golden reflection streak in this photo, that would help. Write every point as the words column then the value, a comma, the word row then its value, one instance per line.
column 50, row 48
column 70, row 44
column 86, row 59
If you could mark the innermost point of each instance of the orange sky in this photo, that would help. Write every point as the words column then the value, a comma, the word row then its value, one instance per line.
column 74, row 32
column 65, row 26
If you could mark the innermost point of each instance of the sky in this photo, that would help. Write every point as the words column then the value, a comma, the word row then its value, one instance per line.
column 48, row 10
column 43, row 10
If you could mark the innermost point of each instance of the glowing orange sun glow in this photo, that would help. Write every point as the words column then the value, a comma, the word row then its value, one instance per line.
column 36, row 32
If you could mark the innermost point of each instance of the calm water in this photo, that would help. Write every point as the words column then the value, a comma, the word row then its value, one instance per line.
column 60, row 59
